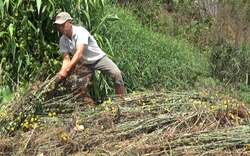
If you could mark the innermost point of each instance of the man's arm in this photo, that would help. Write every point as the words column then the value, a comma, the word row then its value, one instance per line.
column 69, row 64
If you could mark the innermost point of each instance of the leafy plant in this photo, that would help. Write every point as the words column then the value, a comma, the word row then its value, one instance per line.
column 29, row 40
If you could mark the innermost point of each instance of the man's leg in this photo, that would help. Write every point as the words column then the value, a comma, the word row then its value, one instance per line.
column 107, row 66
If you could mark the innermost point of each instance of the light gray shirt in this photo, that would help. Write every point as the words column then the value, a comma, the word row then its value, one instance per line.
column 91, row 53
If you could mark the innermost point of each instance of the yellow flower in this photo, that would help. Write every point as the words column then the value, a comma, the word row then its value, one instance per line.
column 152, row 100
column 225, row 102
column 32, row 119
column 191, row 100
column 213, row 106
column 49, row 114
column 65, row 137
column 63, row 111
column 18, row 119
column 25, row 125
column 216, row 94
column 12, row 129
column 117, row 146
column 143, row 104
column 149, row 110
column 107, row 108
column 104, row 103
column 232, row 116
column 54, row 113
column 134, row 92
column 109, row 100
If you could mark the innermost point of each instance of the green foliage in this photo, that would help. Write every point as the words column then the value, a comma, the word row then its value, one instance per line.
column 218, row 28
column 148, row 59
column 29, row 40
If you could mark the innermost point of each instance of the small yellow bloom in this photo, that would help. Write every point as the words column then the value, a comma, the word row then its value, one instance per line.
column 107, row 108
column 213, row 106
column 54, row 113
column 152, row 100
column 63, row 111
column 216, row 94
column 104, row 103
column 12, row 129
column 49, row 114
column 225, row 102
column 191, row 100
column 65, row 137
column 18, row 119
column 117, row 146
column 134, row 92
column 232, row 116
column 143, row 104
column 109, row 100
column 32, row 119
column 149, row 110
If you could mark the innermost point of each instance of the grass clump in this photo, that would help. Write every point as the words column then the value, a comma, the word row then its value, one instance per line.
column 152, row 60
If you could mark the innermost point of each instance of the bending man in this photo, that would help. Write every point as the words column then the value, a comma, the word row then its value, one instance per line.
column 84, row 48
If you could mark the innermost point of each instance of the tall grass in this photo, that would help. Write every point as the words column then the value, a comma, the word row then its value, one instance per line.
column 28, row 38
column 218, row 28
column 149, row 59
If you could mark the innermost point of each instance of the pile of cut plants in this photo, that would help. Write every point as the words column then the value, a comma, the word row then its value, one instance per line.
column 52, row 118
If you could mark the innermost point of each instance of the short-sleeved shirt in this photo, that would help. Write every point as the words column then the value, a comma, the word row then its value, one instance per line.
column 91, row 53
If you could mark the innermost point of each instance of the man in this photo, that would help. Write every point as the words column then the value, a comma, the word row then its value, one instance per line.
column 79, row 42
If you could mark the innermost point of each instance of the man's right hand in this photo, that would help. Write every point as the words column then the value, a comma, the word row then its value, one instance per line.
column 59, row 79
